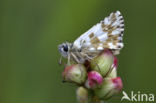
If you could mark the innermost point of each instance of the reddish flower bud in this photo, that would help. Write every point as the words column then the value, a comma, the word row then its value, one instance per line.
column 109, row 88
column 117, row 83
column 75, row 73
column 94, row 79
column 115, row 62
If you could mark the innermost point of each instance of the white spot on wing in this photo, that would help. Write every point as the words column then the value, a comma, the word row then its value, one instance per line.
column 106, row 21
column 118, row 13
column 92, row 49
column 100, row 48
column 111, row 45
column 115, row 32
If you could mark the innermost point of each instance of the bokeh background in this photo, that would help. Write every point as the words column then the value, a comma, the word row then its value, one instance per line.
column 30, row 31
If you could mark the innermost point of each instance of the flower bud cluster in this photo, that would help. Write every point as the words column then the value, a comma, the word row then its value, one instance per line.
column 98, row 80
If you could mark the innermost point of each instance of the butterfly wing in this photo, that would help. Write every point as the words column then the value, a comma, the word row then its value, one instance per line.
column 106, row 34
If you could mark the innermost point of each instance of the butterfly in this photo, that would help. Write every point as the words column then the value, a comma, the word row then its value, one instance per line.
column 108, row 34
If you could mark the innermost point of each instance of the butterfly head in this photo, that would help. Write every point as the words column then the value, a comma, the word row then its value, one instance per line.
column 64, row 49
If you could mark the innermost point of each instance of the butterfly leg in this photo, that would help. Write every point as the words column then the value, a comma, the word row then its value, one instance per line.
column 68, row 62
column 75, row 58
column 85, row 55
column 60, row 61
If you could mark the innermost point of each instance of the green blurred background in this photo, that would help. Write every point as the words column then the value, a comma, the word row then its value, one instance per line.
column 30, row 31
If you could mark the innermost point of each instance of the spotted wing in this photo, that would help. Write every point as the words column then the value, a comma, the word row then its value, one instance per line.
column 106, row 34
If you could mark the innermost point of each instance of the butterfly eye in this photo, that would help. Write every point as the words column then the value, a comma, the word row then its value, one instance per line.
column 65, row 48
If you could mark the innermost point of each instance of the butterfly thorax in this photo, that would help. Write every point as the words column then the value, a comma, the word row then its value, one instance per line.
column 68, row 50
